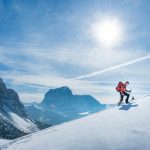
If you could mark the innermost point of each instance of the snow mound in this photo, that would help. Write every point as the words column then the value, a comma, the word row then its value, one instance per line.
column 126, row 127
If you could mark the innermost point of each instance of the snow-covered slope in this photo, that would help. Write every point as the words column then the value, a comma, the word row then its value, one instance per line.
column 23, row 124
column 126, row 127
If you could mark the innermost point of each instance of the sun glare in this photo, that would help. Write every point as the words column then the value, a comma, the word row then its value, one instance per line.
column 108, row 32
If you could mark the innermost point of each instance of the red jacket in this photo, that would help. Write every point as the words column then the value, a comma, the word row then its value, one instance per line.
column 123, row 88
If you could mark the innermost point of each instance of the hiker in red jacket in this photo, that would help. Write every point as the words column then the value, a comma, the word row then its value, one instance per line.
column 121, row 88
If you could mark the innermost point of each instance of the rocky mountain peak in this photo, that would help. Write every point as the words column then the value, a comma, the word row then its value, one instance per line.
column 10, row 99
column 14, row 121
column 52, row 94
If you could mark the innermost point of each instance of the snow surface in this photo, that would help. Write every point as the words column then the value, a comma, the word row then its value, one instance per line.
column 126, row 127
column 3, row 141
column 84, row 113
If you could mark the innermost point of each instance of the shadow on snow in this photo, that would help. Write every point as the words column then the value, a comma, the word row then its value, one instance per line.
column 128, row 106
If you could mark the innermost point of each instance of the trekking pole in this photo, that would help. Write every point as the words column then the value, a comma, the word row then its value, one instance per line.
column 132, row 96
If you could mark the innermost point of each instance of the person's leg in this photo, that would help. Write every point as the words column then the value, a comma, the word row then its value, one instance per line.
column 127, row 95
column 121, row 99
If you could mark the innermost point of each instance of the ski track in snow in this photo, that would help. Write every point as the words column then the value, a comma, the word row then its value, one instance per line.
column 126, row 127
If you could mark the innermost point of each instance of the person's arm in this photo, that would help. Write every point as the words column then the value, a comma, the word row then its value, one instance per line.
column 128, row 90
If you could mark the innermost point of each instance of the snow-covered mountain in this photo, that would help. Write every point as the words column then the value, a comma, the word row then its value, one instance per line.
column 14, row 121
column 126, row 127
column 60, row 105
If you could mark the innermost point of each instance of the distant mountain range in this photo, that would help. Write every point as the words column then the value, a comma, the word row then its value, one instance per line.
column 60, row 105
column 14, row 121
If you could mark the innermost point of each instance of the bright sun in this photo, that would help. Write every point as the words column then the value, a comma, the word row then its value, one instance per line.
column 108, row 32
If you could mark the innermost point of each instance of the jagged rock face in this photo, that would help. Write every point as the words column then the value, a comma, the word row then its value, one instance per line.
column 62, row 98
column 14, row 121
column 10, row 98
column 3, row 91
column 14, row 103
column 57, row 94
column 8, row 131
column 2, row 85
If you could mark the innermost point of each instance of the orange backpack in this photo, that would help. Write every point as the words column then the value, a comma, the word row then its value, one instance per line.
column 119, row 86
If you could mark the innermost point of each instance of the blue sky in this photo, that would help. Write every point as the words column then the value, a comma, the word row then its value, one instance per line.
column 44, row 44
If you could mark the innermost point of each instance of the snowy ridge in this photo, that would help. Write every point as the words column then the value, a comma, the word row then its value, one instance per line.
column 23, row 124
column 126, row 127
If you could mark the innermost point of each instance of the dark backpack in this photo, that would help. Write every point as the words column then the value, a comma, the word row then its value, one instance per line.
column 119, row 86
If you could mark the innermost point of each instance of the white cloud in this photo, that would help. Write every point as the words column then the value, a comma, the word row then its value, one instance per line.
column 38, row 69
column 30, row 97
column 114, row 67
